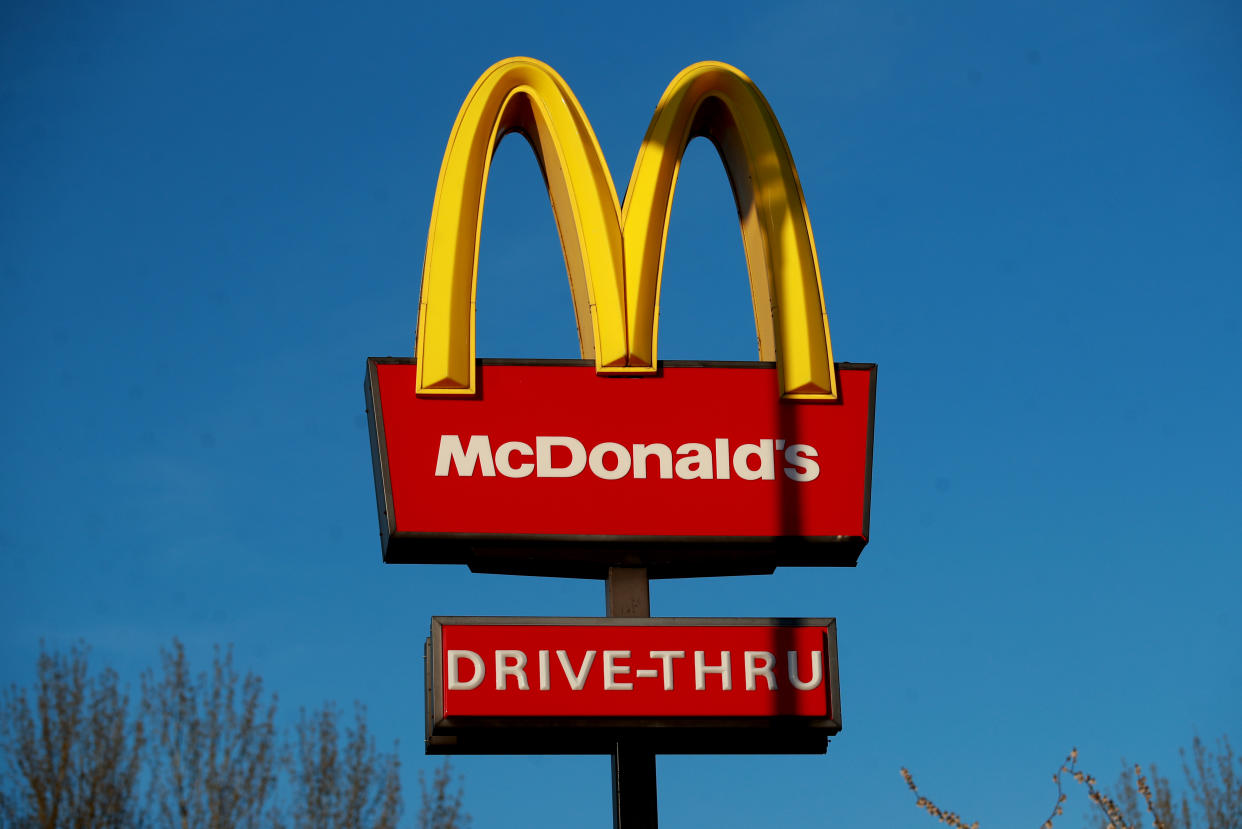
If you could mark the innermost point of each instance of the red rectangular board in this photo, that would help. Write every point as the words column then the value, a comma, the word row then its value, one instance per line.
column 556, row 457
column 657, row 673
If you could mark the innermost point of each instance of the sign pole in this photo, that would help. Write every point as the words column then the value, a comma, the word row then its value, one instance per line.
column 628, row 595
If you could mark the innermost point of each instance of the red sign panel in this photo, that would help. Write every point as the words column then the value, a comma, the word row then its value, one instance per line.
column 557, row 463
column 633, row 673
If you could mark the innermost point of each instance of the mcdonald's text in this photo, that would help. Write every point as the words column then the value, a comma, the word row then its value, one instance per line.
column 556, row 456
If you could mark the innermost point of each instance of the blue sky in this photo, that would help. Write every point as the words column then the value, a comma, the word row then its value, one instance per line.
column 1028, row 214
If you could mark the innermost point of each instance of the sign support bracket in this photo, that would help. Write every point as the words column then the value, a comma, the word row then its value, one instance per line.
column 628, row 595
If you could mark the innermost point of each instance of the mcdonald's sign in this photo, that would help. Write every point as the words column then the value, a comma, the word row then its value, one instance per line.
column 570, row 466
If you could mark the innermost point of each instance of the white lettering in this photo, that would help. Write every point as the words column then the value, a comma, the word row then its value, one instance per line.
column 698, row 464
column 545, row 679
column 817, row 671
column 754, row 669
column 667, row 658
column 543, row 457
column 763, row 451
column 577, row 679
column 558, row 456
column 701, row 670
column 799, row 455
column 643, row 451
column 455, row 682
column 517, row 669
column 478, row 451
column 611, row 669
column 512, row 664
column 504, row 463
column 722, row 458
column 597, row 461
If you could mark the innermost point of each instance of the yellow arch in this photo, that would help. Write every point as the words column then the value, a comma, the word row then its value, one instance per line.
column 717, row 101
column 615, row 257
column 526, row 96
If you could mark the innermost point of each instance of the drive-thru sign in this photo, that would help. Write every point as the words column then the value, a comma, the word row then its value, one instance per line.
column 569, row 684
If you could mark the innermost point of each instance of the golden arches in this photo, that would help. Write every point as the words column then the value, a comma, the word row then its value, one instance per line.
column 519, row 95
column 615, row 257
column 717, row 101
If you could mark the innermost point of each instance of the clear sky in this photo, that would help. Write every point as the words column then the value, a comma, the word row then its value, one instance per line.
column 1028, row 214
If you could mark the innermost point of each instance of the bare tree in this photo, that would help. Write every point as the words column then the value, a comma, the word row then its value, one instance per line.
column 340, row 784
column 206, row 745
column 1212, row 798
column 1131, row 803
column 72, row 752
column 1214, row 781
column 442, row 809
column 212, row 743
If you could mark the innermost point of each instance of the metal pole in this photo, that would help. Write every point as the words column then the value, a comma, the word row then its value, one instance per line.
column 633, row 765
